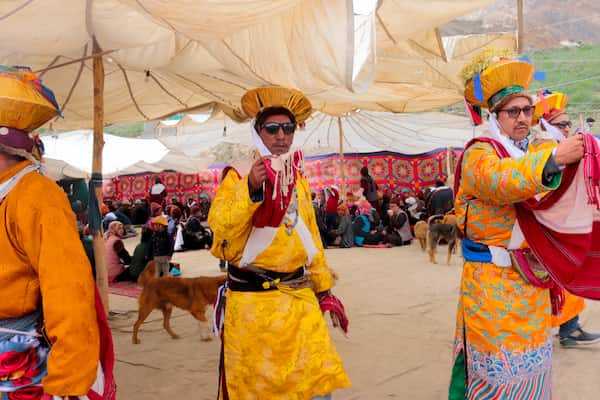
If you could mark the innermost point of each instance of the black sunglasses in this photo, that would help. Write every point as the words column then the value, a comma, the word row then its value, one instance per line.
column 563, row 124
column 272, row 128
column 514, row 112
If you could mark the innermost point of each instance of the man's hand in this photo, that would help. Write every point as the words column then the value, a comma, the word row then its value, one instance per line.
column 258, row 175
column 569, row 150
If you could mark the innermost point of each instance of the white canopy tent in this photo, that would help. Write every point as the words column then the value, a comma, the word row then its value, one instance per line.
column 161, row 58
column 70, row 154
column 363, row 132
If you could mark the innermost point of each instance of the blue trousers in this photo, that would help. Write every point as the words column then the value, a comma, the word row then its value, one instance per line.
column 569, row 327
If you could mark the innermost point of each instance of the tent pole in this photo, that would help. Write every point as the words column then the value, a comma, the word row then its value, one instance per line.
column 342, row 166
column 101, row 271
column 449, row 161
column 520, row 33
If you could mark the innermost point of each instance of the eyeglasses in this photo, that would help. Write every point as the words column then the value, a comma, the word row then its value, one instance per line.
column 514, row 112
column 272, row 128
column 563, row 124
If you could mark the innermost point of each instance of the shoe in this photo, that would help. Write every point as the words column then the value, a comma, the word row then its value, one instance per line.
column 175, row 272
column 578, row 338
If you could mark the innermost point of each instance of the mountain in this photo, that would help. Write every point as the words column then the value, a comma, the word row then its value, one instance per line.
column 547, row 23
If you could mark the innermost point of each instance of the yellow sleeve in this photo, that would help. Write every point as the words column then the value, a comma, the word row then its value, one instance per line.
column 231, row 212
column 319, row 270
column 50, row 239
column 503, row 181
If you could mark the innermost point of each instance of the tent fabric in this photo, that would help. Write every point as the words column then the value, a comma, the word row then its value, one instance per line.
column 70, row 154
column 169, row 57
column 363, row 132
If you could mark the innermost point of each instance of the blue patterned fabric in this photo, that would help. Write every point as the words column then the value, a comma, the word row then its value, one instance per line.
column 22, row 359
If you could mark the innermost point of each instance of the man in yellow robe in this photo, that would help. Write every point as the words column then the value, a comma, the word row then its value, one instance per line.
column 46, row 282
column 275, row 340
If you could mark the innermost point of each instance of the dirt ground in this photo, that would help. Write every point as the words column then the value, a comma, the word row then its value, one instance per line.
column 401, row 311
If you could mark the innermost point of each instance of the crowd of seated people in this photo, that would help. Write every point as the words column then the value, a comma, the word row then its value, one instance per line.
column 165, row 228
column 387, row 221
column 172, row 225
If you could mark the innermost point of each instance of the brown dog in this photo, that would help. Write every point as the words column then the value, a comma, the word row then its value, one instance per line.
column 421, row 231
column 449, row 219
column 439, row 231
column 190, row 294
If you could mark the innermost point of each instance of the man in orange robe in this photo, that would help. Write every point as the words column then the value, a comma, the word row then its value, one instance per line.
column 46, row 284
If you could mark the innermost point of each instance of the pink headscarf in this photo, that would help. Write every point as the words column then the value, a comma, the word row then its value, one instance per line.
column 364, row 208
column 113, row 229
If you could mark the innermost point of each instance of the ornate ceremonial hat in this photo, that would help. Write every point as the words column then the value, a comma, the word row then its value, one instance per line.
column 494, row 74
column 259, row 99
column 25, row 104
column 548, row 105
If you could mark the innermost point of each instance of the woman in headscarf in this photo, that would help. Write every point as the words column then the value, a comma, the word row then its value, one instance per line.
column 117, row 256
column 364, row 226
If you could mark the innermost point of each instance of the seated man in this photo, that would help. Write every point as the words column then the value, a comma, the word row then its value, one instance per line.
column 398, row 230
column 195, row 236
column 343, row 235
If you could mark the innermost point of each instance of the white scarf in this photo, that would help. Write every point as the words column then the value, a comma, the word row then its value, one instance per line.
column 554, row 131
column 11, row 182
column 261, row 238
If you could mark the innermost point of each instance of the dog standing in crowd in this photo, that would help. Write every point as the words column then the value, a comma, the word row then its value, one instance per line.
column 439, row 230
column 190, row 294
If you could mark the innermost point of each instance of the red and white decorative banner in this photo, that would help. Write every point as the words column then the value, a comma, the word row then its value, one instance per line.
column 392, row 172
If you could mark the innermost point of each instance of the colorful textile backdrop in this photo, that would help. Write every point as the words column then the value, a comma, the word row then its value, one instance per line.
column 391, row 171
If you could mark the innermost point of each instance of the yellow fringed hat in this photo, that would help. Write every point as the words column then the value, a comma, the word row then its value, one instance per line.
column 549, row 105
column 259, row 99
column 23, row 100
column 494, row 74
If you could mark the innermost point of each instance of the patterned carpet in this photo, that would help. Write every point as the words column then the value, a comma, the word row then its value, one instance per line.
column 128, row 289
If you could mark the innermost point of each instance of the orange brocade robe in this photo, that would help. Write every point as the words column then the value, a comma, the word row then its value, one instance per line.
column 42, row 263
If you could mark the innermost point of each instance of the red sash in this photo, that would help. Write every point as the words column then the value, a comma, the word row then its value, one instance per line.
column 572, row 260
column 273, row 209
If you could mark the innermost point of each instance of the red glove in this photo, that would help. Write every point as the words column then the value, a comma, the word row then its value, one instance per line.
column 337, row 312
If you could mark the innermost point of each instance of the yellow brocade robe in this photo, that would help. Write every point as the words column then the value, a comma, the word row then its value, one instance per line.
column 42, row 263
column 276, row 344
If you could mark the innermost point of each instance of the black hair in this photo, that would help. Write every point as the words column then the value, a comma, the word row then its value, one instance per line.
column 364, row 171
column 262, row 116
